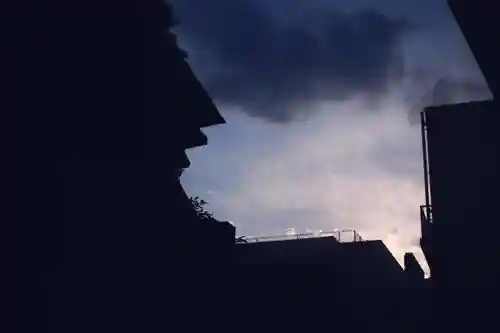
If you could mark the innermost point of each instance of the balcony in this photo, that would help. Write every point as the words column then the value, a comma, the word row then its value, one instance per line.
column 426, row 240
column 426, row 214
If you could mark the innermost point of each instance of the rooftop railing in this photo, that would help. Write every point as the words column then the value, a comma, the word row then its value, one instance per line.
column 341, row 235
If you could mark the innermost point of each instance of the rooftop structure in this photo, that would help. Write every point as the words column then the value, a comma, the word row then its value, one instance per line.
column 355, row 283
column 341, row 235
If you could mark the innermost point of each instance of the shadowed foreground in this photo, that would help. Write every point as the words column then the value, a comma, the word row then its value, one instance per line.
column 108, row 241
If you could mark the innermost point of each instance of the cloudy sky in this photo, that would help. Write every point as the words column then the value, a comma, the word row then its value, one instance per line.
column 321, row 100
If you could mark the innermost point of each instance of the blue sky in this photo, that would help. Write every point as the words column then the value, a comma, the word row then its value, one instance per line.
column 320, row 141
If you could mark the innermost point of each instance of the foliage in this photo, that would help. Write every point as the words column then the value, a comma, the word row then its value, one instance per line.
column 200, row 210
column 241, row 240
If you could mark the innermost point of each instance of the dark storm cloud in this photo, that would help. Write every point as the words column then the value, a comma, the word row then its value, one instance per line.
column 268, row 64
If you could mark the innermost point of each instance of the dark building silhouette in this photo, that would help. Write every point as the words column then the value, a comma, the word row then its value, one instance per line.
column 461, row 145
column 315, row 282
column 108, row 239
column 463, row 158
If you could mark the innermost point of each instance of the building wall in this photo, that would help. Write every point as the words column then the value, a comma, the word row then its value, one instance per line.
column 464, row 159
column 376, row 283
column 352, row 288
column 100, row 206
column 300, row 251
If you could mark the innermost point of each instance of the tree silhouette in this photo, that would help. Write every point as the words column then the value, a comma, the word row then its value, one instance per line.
column 241, row 240
column 198, row 205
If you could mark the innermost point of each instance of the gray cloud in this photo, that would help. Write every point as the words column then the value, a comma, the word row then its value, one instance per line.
column 336, row 170
column 415, row 241
column 450, row 89
column 270, row 65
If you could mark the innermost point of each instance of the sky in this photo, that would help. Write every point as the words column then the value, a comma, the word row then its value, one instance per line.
column 322, row 102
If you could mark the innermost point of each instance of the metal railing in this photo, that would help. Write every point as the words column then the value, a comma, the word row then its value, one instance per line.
column 427, row 234
column 426, row 214
column 426, row 223
column 425, row 160
column 341, row 235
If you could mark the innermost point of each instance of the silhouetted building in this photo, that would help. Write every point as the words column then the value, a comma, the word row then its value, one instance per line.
column 461, row 145
column 317, row 283
column 463, row 177
column 107, row 109
column 463, row 158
